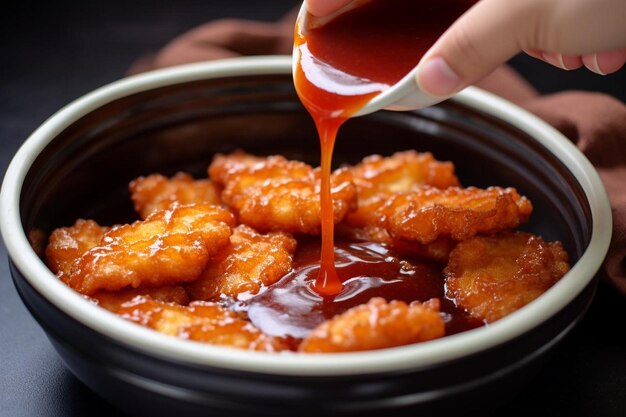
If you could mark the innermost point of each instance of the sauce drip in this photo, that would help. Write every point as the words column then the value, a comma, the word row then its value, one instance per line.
column 292, row 306
column 344, row 63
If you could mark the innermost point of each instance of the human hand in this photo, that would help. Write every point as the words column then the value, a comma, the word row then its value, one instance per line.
column 564, row 33
column 325, row 7
column 225, row 38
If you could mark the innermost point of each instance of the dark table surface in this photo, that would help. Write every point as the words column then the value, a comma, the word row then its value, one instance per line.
column 52, row 56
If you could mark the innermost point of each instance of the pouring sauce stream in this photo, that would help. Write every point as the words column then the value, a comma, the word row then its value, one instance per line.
column 344, row 63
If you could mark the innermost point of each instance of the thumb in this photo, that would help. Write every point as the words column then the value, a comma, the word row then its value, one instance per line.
column 322, row 8
column 486, row 36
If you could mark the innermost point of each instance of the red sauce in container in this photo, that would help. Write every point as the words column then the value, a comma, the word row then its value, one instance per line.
column 344, row 63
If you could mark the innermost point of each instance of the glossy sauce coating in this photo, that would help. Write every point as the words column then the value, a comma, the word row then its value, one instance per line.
column 167, row 248
column 493, row 276
column 276, row 194
column 252, row 260
column 344, row 63
column 291, row 307
column 201, row 321
column 378, row 324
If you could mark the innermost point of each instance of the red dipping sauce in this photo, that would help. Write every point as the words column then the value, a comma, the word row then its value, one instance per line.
column 292, row 306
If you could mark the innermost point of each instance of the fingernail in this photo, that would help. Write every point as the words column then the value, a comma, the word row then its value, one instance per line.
column 559, row 58
column 610, row 62
column 595, row 67
column 554, row 59
column 436, row 78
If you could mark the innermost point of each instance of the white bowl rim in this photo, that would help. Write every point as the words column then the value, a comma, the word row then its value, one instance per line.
column 411, row 357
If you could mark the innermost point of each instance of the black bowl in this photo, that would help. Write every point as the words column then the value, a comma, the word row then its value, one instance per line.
column 78, row 164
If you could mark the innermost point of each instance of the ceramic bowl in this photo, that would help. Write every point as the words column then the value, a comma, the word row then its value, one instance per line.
column 79, row 162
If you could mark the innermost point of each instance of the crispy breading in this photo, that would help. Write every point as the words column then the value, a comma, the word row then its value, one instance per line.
column 275, row 194
column 169, row 271
column 224, row 167
column 377, row 178
column 252, row 260
column 377, row 324
column 156, row 192
column 424, row 215
column 38, row 241
column 113, row 301
column 436, row 251
column 494, row 276
column 67, row 244
column 205, row 322
column 169, row 247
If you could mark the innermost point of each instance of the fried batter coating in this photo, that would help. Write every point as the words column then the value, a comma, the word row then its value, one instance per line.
column 169, row 247
column 274, row 194
column 250, row 261
column 113, row 301
column 38, row 241
column 492, row 277
column 156, row 192
column 67, row 244
column 424, row 215
column 376, row 325
column 224, row 167
column 362, row 234
column 377, row 178
column 201, row 321
column 436, row 251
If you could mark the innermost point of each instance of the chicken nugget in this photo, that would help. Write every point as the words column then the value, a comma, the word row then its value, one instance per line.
column 169, row 247
column 225, row 166
column 377, row 324
column 275, row 194
column 200, row 321
column 377, row 178
column 437, row 251
column 38, row 241
column 113, row 301
column 67, row 244
column 252, row 260
column 423, row 215
column 492, row 277
column 156, row 192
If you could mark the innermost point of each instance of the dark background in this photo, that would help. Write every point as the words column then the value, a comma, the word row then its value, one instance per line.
column 49, row 56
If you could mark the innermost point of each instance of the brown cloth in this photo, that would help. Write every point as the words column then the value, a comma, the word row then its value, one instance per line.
column 595, row 122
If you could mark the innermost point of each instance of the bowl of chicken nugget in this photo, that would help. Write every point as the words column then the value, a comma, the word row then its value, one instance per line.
column 164, row 230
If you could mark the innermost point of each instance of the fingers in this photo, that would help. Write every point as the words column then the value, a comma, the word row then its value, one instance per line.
column 566, row 62
column 242, row 37
column 478, row 42
column 601, row 63
column 225, row 38
column 322, row 8
column 605, row 62
column 564, row 33
column 437, row 78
